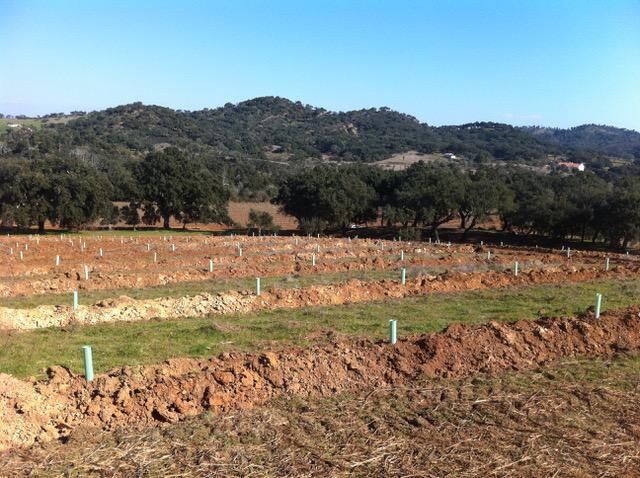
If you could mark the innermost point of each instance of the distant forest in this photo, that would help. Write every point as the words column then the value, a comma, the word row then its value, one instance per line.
column 187, row 164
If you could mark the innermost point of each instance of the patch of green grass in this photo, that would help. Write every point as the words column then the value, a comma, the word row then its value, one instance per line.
column 117, row 344
column 28, row 123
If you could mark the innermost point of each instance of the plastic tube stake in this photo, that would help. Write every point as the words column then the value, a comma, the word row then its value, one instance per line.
column 402, row 255
column 257, row 285
column 75, row 299
column 210, row 265
column 403, row 276
column 86, row 272
column 88, row 363
column 57, row 260
column 313, row 259
column 393, row 332
column 606, row 264
column 515, row 269
column 598, row 305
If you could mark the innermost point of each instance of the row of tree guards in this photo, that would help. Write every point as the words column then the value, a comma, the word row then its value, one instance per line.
column 393, row 335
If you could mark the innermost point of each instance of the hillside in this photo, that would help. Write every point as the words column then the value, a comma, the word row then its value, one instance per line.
column 262, row 127
column 608, row 140
column 253, row 144
column 280, row 130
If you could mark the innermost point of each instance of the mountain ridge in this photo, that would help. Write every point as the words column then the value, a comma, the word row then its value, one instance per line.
column 266, row 126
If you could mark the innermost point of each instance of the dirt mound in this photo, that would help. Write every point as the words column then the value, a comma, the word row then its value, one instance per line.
column 153, row 395
column 127, row 310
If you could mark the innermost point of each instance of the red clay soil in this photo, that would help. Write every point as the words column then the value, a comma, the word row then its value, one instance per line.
column 154, row 395
column 124, row 309
column 128, row 263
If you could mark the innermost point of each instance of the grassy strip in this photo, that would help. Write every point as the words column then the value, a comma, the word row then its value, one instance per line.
column 117, row 344
column 214, row 286
column 191, row 288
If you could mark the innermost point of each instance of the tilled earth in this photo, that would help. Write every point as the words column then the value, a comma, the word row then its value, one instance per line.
column 126, row 309
column 129, row 262
column 578, row 419
column 150, row 396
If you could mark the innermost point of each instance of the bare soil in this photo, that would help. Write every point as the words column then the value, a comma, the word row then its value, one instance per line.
column 574, row 419
column 150, row 396
column 126, row 309
column 129, row 262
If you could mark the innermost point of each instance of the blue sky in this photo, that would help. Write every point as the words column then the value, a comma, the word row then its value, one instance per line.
column 554, row 62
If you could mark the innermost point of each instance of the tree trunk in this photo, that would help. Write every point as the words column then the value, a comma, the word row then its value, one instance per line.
column 40, row 227
column 463, row 220
column 434, row 228
column 165, row 222
column 467, row 229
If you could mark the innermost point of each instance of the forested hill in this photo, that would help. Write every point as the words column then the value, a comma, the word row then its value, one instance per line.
column 262, row 126
column 277, row 128
column 591, row 137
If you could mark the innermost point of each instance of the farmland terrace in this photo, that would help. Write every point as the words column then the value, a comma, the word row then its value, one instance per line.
column 190, row 348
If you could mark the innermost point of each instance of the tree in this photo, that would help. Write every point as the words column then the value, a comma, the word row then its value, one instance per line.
column 620, row 214
column 60, row 189
column 433, row 193
column 173, row 184
column 77, row 193
column 327, row 197
column 129, row 214
column 485, row 193
column 261, row 220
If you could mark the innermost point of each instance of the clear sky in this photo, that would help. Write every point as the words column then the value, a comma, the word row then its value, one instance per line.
column 549, row 62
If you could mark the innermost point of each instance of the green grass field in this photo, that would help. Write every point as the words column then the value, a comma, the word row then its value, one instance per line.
column 30, row 123
column 116, row 344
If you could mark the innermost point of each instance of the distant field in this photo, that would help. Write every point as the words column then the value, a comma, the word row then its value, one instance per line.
column 401, row 161
column 239, row 213
column 29, row 123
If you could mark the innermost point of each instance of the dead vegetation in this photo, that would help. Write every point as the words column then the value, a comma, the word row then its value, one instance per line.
column 156, row 395
column 579, row 419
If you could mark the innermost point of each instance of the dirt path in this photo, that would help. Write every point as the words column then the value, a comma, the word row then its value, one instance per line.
column 154, row 395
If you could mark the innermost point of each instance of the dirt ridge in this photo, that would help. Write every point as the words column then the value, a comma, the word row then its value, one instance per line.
column 154, row 395
column 352, row 291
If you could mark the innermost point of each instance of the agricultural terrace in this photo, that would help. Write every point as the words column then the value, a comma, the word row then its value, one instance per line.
column 185, row 324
